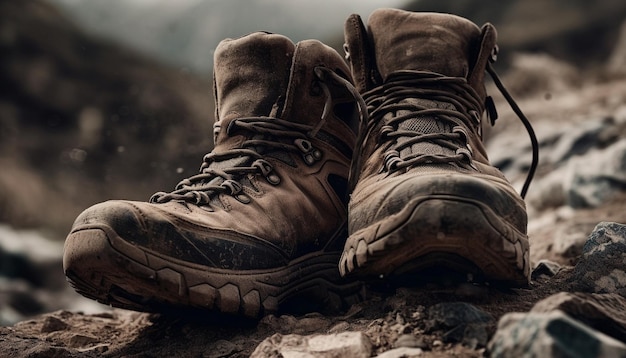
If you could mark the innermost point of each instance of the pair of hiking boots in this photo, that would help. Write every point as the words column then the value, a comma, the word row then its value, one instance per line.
column 323, row 175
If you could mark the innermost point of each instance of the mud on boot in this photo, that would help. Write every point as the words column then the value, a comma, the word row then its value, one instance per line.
column 423, row 191
column 262, row 226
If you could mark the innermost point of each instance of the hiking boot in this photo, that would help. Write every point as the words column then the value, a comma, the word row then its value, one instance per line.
column 262, row 226
column 424, row 193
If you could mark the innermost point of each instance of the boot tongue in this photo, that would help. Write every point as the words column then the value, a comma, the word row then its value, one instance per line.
column 251, row 75
column 433, row 42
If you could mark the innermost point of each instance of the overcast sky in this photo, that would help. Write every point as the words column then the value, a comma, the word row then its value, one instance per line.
column 185, row 32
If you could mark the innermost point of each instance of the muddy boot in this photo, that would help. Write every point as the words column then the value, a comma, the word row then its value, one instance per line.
column 263, row 225
column 425, row 195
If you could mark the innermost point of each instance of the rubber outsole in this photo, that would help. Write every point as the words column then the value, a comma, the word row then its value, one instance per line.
column 102, row 266
column 432, row 231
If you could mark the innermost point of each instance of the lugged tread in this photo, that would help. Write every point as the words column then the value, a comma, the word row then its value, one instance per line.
column 121, row 281
column 498, row 252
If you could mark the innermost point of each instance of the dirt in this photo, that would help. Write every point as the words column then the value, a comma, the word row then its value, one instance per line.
column 383, row 318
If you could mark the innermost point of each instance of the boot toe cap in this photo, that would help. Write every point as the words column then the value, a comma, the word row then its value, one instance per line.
column 379, row 200
column 133, row 227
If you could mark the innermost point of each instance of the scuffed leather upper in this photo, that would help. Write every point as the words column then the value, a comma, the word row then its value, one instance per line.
column 397, row 41
column 265, row 76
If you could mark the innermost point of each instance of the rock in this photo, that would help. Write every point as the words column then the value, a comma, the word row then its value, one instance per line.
column 461, row 322
column 602, row 264
column 308, row 325
column 52, row 324
column 570, row 239
column 30, row 256
column 345, row 344
column 18, row 295
column 288, row 324
column 548, row 192
column 46, row 351
column 578, row 140
column 222, row 348
column 545, row 268
column 583, row 158
column 409, row 341
column 82, row 340
column 473, row 335
column 404, row 352
column 596, row 177
column 17, row 346
column 31, row 277
column 280, row 324
column 604, row 312
column 339, row 327
column 532, row 73
column 453, row 314
column 552, row 334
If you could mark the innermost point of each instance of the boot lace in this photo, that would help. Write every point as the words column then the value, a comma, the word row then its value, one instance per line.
column 427, row 86
column 221, row 173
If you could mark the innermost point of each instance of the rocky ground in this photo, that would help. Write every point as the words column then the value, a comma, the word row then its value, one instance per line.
column 573, row 307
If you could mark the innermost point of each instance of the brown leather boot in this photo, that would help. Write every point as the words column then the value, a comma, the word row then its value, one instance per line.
column 263, row 225
column 426, row 197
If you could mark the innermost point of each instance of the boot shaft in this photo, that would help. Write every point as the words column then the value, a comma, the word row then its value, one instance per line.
column 398, row 44
column 266, row 75
column 397, row 40
column 251, row 75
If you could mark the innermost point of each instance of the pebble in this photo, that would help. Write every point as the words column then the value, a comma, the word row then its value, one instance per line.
column 553, row 334
column 596, row 177
column 53, row 324
column 345, row 344
column 602, row 264
column 82, row 340
column 403, row 352
column 409, row 341
column 545, row 268
column 452, row 314
column 602, row 311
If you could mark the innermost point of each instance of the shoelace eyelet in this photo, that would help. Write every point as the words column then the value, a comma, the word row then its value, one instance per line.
column 310, row 153
column 461, row 131
column 267, row 171
column 233, row 187
column 304, row 145
column 385, row 130
column 199, row 197
column 391, row 160
column 243, row 198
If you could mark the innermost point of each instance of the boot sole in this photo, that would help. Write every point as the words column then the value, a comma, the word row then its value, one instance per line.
column 439, row 230
column 102, row 266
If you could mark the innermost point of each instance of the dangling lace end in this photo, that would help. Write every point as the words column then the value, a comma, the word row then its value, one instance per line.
column 531, row 132
column 322, row 73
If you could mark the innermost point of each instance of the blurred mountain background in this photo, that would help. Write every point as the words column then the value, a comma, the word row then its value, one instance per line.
column 113, row 99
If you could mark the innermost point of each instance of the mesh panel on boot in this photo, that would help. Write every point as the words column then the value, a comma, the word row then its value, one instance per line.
column 426, row 125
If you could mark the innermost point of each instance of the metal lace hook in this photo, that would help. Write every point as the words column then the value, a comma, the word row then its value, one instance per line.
column 527, row 124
